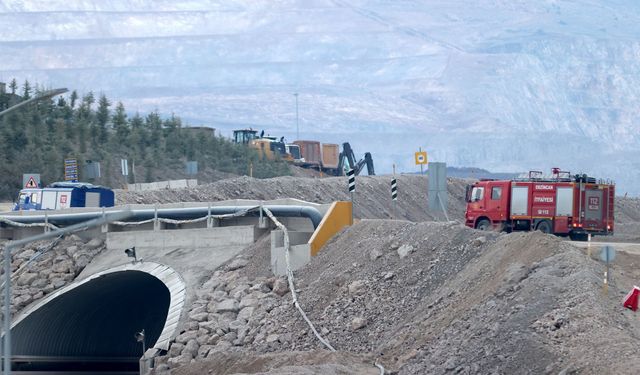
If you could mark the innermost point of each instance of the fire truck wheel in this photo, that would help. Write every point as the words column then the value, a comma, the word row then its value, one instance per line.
column 484, row 225
column 544, row 227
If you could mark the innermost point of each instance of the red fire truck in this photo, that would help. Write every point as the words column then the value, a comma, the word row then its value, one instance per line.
column 562, row 204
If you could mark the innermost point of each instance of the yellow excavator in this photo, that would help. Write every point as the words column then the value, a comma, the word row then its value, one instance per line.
column 268, row 146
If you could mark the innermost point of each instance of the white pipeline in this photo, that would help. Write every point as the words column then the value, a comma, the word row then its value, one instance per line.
column 294, row 296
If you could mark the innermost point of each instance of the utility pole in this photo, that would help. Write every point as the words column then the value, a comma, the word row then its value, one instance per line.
column 297, row 121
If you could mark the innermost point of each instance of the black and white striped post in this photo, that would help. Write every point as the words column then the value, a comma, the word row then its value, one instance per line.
column 394, row 195
column 352, row 188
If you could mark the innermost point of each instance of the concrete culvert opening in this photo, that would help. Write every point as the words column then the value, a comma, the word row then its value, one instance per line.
column 91, row 327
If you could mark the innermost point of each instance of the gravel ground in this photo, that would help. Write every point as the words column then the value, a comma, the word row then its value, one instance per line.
column 315, row 362
column 418, row 296
column 432, row 298
column 372, row 197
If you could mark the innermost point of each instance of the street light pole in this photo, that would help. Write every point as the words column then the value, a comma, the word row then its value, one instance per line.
column 7, row 248
column 44, row 95
column 297, row 122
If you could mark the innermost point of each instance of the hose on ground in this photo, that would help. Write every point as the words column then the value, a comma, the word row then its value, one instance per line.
column 294, row 296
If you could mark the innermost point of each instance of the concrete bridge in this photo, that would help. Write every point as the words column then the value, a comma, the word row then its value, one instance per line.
column 94, row 318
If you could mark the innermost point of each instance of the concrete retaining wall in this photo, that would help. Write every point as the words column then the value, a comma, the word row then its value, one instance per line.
column 299, row 255
column 159, row 185
column 183, row 239
column 194, row 253
column 306, row 242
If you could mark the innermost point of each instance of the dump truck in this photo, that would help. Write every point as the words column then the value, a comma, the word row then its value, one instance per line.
column 561, row 204
column 311, row 152
column 61, row 195
column 331, row 158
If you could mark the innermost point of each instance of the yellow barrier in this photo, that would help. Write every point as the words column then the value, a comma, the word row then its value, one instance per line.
column 338, row 217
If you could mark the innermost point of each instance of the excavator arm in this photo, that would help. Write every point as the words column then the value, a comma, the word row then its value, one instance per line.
column 357, row 166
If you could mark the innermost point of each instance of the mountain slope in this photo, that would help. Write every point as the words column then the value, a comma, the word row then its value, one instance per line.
column 503, row 85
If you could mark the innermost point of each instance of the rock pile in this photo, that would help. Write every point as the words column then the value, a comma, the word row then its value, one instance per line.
column 231, row 311
column 44, row 267
column 436, row 298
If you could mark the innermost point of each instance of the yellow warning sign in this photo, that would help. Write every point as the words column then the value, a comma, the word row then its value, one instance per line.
column 421, row 158
column 31, row 183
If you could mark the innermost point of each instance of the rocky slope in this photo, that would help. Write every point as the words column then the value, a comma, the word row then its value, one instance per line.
column 416, row 296
column 422, row 298
column 42, row 267
column 372, row 197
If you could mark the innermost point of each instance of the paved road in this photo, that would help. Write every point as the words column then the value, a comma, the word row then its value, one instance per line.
column 628, row 247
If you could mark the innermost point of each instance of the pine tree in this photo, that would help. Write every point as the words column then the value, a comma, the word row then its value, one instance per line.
column 102, row 116
column 121, row 126
column 82, row 127
column 13, row 86
column 73, row 98
column 26, row 90
column 153, row 124
column 138, row 141
column 173, row 140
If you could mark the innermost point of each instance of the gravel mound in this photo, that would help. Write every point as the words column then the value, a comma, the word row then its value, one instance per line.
column 372, row 197
column 317, row 362
column 420, row 297
column 428, row 298
column 627, row 227
column 434, row 298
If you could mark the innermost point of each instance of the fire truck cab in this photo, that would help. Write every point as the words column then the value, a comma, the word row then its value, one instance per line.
column 561, row 204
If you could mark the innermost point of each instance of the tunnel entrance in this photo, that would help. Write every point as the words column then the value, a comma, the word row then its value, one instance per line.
column 90, row 328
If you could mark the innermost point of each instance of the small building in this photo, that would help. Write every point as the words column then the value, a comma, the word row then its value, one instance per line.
column 202, row 131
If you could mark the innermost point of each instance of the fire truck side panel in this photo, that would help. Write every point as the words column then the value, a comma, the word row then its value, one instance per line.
column 519, row 200
column 564, row 209
column 611, row 196
column 543, row 200
column 561, row 225
column 564, row 200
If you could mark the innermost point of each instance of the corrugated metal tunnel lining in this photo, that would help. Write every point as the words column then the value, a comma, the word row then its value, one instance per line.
column 97, row 319
column 90, row 324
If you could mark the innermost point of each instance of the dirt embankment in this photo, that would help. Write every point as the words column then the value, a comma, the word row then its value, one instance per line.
column 372, row 197
column 627, row 226
column 437, row 298
column 417, row 296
